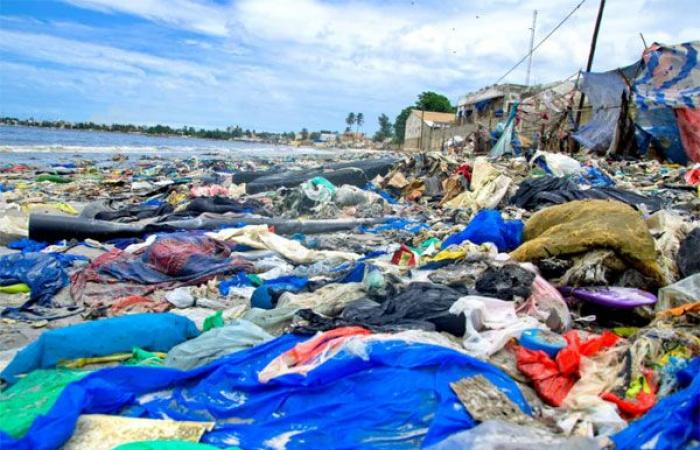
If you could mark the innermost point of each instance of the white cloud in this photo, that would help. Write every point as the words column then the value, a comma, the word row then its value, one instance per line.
column 83, row 55
column 187, row 14
column 281, row 65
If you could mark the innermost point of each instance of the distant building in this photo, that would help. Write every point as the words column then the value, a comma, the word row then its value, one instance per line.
column 489, row 102
column 327, row 137
column 421, row 125
column 349, row 137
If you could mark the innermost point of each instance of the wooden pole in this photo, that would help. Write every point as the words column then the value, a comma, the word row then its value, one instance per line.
column 591, row 53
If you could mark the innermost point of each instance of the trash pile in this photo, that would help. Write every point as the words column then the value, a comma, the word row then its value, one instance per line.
column 425, row 301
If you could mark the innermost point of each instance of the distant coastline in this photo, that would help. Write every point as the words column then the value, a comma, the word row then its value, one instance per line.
column 230, row 134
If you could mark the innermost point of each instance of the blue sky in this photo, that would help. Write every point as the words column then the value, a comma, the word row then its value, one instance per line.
column 283, row 65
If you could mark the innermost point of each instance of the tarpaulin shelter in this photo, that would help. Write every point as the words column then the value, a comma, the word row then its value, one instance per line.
column 663, row 90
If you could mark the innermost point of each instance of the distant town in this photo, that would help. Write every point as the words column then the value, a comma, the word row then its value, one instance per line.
column 320, row 138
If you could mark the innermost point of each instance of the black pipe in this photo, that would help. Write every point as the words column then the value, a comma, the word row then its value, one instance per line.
column 51, row 228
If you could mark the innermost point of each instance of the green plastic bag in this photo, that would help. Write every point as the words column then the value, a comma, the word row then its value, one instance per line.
column 52, row 178
column 216, row 320
column 33, row 396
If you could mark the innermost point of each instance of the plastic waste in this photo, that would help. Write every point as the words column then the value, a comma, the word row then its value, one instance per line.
column 180, row 297
column 267, row 294
column 215, row 343
column 502, row 435
column 507, row 282
column 342, row 388
column 684, row 291
column 42, row 272
column 548, row 342
column 612, row 297
column 489, row 226
column 554, row 378
column 155, row 332
column 689, row 254
column 667, row 425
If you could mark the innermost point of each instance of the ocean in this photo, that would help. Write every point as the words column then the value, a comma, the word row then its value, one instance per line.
column 45, row 146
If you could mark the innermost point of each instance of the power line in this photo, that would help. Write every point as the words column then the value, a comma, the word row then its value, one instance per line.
column 542, row 41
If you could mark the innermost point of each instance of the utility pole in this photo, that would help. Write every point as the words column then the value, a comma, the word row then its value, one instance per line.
column 532, row 44
column 591, row 53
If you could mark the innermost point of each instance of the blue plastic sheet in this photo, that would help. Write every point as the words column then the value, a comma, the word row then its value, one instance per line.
column 604, row 92
column 397, row 395
column 489, row 226
column 238, row 280
column 395, row 223
column 43, row 272
column 595, row 177
column 382, row 193
column 657, row 125
column 508, row 142
column 354, row 275
column 266, row 295
column 670, row 77
column 27, row 245
column 152, row 332
column 671, row 424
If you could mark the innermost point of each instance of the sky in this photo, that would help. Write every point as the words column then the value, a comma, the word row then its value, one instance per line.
column 280, row 65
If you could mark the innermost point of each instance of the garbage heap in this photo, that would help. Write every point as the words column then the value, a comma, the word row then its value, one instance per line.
column 427, row 301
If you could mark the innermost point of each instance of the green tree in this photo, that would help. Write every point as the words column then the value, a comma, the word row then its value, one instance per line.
column 385, row 128
column 315, row 136
column 359, row 120
column 431, row 101
column 304, row 134
column 350, row 120
column 400, row 124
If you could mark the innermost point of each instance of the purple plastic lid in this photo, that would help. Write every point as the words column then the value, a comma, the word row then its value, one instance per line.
column 613, row 297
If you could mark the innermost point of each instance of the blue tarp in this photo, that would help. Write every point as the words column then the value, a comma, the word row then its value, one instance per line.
column 27, row 245
column 670, row 77
column 43, row 272
column 657, row 125
column 382, row 193
column 395, row 395
column 604, row 93
column 671, row 424
column 153, row 332
column 489, row 226
column 508, row 142
column 238, row 280
column 265, row 296
column 395, row 223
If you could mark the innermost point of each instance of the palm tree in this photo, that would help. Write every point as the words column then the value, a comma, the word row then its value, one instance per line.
column 359, row 120
column 350, row 120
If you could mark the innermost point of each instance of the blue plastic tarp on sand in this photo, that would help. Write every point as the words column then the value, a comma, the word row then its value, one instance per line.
column 153, row 332
column 43, row 272
column 395, row 394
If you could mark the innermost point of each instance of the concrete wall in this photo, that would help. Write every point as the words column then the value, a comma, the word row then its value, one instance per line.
column 433, row 139
column 412, row 128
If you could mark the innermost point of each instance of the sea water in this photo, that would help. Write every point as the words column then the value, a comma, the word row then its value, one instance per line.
column 47, row 146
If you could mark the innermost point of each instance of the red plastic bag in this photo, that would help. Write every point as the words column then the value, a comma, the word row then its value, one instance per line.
column 554, row 378
column 405, row 257
column 466, row 171
column 642, row 402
